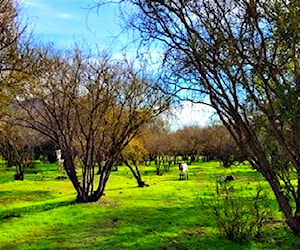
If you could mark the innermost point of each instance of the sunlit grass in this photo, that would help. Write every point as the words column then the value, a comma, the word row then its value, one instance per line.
column 40, row 213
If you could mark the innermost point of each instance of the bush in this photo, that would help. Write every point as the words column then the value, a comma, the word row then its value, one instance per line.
column 239, row 216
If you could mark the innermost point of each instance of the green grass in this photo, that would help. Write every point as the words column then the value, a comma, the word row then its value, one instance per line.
column 40, row 213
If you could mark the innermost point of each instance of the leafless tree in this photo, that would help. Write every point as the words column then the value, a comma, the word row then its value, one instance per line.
column 156, row 140
column 188, row 142
column 14, row 44
column 216, row 142
column 91, row 107
column 243, row 55
column 16, row 146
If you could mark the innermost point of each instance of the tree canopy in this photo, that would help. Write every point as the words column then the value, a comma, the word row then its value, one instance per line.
column 92, row 107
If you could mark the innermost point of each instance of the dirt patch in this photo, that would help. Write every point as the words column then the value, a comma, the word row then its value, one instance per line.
column 107, row 202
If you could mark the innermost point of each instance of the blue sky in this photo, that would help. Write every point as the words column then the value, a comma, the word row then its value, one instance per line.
column 66, row 22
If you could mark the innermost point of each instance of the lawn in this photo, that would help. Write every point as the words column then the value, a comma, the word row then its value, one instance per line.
column 40, row 213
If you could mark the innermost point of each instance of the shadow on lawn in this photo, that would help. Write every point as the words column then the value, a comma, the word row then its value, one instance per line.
column 19, row 212
column 21, row 195
column 137, row 228
column 178, row 227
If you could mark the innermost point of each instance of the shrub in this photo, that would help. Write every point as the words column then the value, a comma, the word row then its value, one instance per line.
column 239, row 215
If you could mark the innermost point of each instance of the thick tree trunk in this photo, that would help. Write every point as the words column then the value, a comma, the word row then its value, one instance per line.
column 292, row 220
column 84, row 192
column 70, row 169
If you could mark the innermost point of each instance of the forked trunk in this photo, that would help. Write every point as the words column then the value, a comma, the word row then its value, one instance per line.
column 19, row 176
column 85, row 198
column 136, row 173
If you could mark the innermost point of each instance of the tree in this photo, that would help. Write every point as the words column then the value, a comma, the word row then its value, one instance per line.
column 218, row 143
column 188, row 142
column 156, row 140
column 133, row 154
column 13, row 51
column 243, row 55
column 91, row 107
column 16, row 146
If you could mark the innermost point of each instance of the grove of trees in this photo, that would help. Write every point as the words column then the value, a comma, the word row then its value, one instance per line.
column 241, row 57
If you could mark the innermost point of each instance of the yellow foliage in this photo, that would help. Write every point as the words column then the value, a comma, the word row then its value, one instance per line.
column 135, row 150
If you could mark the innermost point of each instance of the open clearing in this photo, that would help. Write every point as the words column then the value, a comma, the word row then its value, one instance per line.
column 40, row 213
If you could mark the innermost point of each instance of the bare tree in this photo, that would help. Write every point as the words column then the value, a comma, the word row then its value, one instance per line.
column 16, row 146
column 91, row 107
column 217, row 142
column 155, row 138
column 14, row 42
column 244, row 55
column 188, row 142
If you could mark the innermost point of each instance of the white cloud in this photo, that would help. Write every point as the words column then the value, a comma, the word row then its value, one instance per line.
column 191, row 114
column 64, row 15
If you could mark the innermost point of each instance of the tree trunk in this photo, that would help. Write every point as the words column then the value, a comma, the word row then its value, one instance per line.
column 69, row 167
column 136, row 174
column 19, row 177
column 293, row 221
column 9, row 162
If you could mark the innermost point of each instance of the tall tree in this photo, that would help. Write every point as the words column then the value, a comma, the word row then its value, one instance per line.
column 92, row 107
column 13, row 50
column 243, row 55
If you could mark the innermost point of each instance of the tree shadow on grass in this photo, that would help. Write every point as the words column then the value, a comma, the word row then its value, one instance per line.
column 7, row 214
column 122, row 188
column 138, row 228
column 24, row 195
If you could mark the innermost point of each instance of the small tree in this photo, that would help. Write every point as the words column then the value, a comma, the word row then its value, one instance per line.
column 218, row 143
column 188, row 142
column 134, row 154
column 156, row 141
column 16, row 146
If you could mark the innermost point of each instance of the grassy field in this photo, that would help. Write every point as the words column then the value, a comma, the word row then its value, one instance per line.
column 39, row 212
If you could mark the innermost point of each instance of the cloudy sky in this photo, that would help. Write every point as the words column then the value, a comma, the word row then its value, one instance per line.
column 66, row 22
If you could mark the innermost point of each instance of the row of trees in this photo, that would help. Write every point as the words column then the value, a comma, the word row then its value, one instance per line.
column 190, row 143
column 157, row 144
